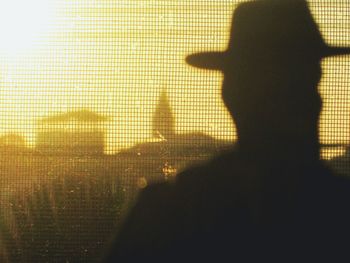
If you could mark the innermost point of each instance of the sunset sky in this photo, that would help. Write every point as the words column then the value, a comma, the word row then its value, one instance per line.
column 115, row 57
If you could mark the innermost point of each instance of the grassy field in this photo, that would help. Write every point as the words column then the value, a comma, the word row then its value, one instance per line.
column 67, row 208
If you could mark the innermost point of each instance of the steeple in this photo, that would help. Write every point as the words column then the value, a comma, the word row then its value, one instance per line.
column 163, row 118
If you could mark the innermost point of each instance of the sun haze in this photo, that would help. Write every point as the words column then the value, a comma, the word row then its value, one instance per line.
column 115, row 58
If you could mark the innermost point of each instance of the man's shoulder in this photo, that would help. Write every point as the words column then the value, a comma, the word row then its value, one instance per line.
column 226, row 164
column 217, row 168
column 225, row 175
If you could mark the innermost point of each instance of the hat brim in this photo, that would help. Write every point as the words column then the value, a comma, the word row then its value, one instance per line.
column 208, row 60
column 219, row 60
column 336, row 51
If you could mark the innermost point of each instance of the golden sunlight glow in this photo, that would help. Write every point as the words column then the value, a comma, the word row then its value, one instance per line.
column 97, row 102
column 22, row 22
column 115, row 57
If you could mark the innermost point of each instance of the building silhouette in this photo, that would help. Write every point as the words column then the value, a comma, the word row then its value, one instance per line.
column 167, row 142
column 75, row 132
column 168, row 152
column 163, row 118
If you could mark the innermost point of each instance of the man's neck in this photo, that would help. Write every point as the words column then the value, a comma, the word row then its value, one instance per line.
column 281, row 151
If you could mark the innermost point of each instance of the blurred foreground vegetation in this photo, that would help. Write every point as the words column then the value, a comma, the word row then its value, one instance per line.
column 67, row 208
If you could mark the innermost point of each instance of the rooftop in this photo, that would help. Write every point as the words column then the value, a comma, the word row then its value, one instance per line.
column 80, row 115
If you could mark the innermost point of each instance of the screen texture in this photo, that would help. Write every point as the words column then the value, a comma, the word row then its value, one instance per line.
column 97, row 102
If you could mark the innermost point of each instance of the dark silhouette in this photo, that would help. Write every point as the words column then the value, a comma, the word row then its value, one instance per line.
column 72, row 133
column 341, row 164
column 163, row 118
column 271, row 199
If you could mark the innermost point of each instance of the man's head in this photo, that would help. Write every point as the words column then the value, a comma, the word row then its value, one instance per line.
column 271, row 70
column 274, row 101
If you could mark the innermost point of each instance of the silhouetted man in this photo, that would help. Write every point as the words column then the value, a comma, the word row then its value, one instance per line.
column 271, row 199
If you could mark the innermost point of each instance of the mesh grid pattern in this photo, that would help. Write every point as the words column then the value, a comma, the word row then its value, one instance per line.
column 101, row 103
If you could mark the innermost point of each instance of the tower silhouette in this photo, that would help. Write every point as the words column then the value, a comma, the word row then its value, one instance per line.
column 163, row 118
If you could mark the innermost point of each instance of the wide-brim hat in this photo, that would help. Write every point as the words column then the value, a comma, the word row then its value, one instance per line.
column 269, row 28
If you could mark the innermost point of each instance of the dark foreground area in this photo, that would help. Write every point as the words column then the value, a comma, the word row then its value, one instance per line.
column 67, row 208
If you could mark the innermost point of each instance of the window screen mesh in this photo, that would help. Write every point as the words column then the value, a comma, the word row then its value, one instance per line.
column 97, row 102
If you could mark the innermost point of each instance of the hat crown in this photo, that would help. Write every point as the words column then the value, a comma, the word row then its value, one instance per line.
column 275, row 25
column 274, row 30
